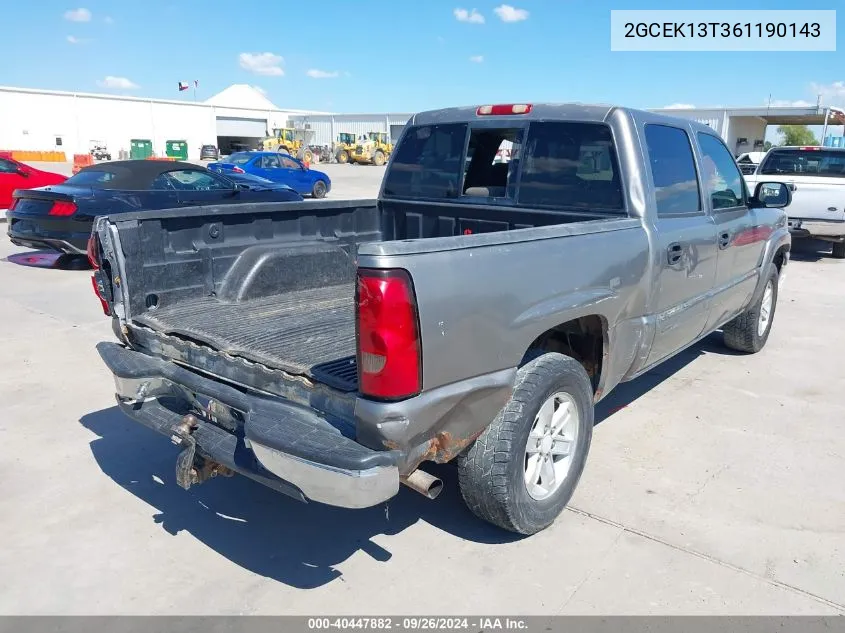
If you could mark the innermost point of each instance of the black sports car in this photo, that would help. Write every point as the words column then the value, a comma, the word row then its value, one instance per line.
column 60, row 217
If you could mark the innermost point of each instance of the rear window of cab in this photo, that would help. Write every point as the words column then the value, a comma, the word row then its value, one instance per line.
column 559, row 165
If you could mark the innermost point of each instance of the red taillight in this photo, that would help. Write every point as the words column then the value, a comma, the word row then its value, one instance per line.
column 62, row 208
column 504, row 108
column 93, row 251
column 815, row 149
column 14, row 204
column 388, row 335
column 103, row 303
column 238, row 170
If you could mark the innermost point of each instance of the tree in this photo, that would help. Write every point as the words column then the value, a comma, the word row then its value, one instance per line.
column 797, row 135
column 767, row 146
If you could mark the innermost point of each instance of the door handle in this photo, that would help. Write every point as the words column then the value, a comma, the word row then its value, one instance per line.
column 724, row 240
column 675, row 251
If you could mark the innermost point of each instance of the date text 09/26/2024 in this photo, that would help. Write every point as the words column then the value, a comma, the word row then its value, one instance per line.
column 416, row 623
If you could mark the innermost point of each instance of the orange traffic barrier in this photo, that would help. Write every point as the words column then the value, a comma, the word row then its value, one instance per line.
column 80, row 161
column 35, row 156
column 160, row 158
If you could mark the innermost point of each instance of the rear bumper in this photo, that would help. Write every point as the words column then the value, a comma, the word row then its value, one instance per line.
column 800, row 227
column 286, row 447
column 31, row 232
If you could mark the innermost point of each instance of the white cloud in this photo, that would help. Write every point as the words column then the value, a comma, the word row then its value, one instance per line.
column 108, row 19
column 472, row 16
column 786, row 103
column 832, row 94
column 121, row 83
column 477, row 59
column 679, row 106
column 73, row 40
column 507, row 13
column 316, row 73
column 78, row 15
column 267, row 64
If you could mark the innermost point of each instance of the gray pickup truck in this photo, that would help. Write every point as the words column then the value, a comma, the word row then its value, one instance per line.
column 520, row 262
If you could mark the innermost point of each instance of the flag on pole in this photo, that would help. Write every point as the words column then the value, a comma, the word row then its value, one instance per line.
column 182, row 86
column 196, row 83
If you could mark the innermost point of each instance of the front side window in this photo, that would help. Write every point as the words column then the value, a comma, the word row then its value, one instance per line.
column 571, row 165
column 427, row 163
column 672, row 170
column 189, row 180
column 804, row 162
column 719, row 172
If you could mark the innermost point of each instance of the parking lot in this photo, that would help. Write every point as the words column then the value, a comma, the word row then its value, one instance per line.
column 714, row 486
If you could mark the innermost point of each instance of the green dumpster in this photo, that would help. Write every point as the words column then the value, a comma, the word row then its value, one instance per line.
column 177, row 149
column 140, row 148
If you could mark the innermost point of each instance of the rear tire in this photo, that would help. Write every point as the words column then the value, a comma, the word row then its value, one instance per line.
column 750, row 330
column 343, row 157
column 507, row 459
column 839, row 250
column 319, row 190
column 308, row 156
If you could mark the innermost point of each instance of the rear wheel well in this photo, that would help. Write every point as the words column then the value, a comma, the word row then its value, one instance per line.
column 780, row 256
column 582, row 339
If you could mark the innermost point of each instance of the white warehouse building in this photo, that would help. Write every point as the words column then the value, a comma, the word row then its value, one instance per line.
column 239, row 116
column 744, row 129
column 74, row 122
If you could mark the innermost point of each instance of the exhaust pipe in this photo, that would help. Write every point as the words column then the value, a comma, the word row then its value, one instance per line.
column 425, row 484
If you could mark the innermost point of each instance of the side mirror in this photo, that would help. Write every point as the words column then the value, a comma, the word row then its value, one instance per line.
column 23, row 172
column 775, row 195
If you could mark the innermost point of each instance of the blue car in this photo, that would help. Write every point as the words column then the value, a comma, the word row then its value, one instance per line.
column 277, row 167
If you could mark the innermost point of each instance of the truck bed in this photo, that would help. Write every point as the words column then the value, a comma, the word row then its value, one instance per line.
column 275, row 283
column 296, row 331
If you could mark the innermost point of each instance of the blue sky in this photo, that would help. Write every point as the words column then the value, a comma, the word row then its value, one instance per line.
column 401, row 56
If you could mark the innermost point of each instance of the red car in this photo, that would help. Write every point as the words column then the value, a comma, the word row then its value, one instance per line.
column 15, row 175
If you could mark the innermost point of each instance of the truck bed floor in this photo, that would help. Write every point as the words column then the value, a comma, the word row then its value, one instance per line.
column 295, row 331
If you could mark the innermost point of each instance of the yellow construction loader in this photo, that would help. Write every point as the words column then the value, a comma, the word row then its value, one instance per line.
column 291, row 141
column 345, row 147
column 373, row 149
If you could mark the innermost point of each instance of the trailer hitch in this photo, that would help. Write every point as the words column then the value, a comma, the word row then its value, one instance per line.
column 192, row 468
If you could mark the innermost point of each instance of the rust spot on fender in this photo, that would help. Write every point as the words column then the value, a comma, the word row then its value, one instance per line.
column 444, row 447
column 391, row 445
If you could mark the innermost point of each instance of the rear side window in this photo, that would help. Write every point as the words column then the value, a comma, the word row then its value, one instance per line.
column 571, row 165
column 427, row 162
column 89, row 177
column 240, row 159
column 7, row 167
column 806, row 162
column 672, row 170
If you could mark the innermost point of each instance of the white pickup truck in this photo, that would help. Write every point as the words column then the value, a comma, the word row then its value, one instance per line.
column 816, row 176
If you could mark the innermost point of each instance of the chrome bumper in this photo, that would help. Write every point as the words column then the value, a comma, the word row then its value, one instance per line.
column 800, row 227
column 295, row 450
